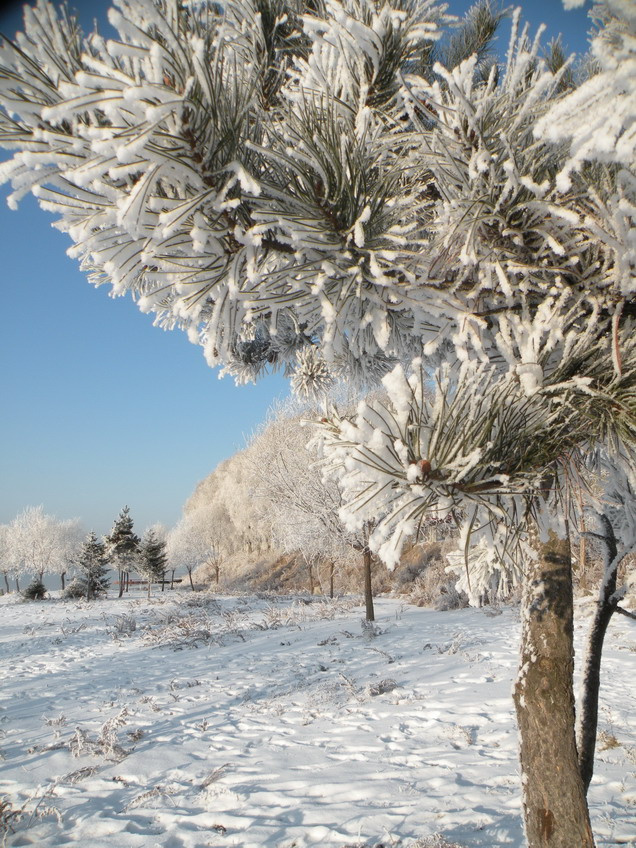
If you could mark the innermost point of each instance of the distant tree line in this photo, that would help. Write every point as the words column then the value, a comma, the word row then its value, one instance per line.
column 36, row 543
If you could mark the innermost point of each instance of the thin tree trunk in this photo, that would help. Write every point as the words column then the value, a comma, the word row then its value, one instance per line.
column 605, row 608
column 331, row 571
column 368, row 590
column 163, row 581
column 62, row 576
column 6, row 582
column 217, row 569
column 554, row 804
column 582, row 541
column 17, row 584
column 190, row 576
column 310, row 571
column 121, row 582
column 172, row 579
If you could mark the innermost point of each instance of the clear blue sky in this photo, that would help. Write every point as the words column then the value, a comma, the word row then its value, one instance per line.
column 98, row 408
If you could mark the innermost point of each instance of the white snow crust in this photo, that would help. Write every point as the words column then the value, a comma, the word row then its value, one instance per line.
column 272, row 723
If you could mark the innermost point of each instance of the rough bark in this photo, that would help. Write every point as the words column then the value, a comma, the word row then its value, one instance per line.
column 605, row 608
column 368, row 590
column 554, row 803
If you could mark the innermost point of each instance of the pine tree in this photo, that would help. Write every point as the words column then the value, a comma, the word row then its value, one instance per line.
column 91, row 582
column 122, row 547
column 152, row 558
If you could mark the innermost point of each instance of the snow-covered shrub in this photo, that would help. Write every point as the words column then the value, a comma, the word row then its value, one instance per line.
column 414, row 562
column 105, row 743
column 124, row 625
column 438, row 840
column 184, row 629
column 35, row 591
column 74, row 591
column 435, row 588
column 9, row 816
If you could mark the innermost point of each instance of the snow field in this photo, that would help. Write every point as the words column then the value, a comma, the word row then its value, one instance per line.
column 188, row 721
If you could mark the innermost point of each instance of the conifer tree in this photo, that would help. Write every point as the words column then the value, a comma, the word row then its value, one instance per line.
column 152, row 558
column 92, row 581
column 122, row 547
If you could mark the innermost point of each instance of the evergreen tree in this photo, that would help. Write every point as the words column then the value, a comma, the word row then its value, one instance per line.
column 35, row 591
column 122, row 547
column 91, row 582
column 152, row 558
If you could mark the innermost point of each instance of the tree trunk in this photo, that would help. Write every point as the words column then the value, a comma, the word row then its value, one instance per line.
column 605, row 608
column 554, row 805
column 172, row 579
column 121, row 583
column 331, row 571
column 582, row 541
column 310, row 571
column 62, row 576
column 582, row 557
column 163, row 581
column 6, row 582
column 368, row 590
column 217, row 569
column 190, row 576
column 17, row 584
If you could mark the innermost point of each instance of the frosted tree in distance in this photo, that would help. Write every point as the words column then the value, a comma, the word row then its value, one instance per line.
column 92, row 581
column 38, row 543
column 193, row 541
column 303, row 185
column 302, row 505
column 122, row 547
column 152, row 558
column 5, row 566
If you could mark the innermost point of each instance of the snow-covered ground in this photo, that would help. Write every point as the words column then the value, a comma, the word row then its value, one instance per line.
column 272, row 723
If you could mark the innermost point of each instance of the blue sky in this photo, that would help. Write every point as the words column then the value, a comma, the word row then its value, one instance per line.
column 99, row 408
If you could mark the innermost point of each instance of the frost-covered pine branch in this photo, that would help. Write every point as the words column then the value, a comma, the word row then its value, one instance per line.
column 607, row 99
column 232, row 169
